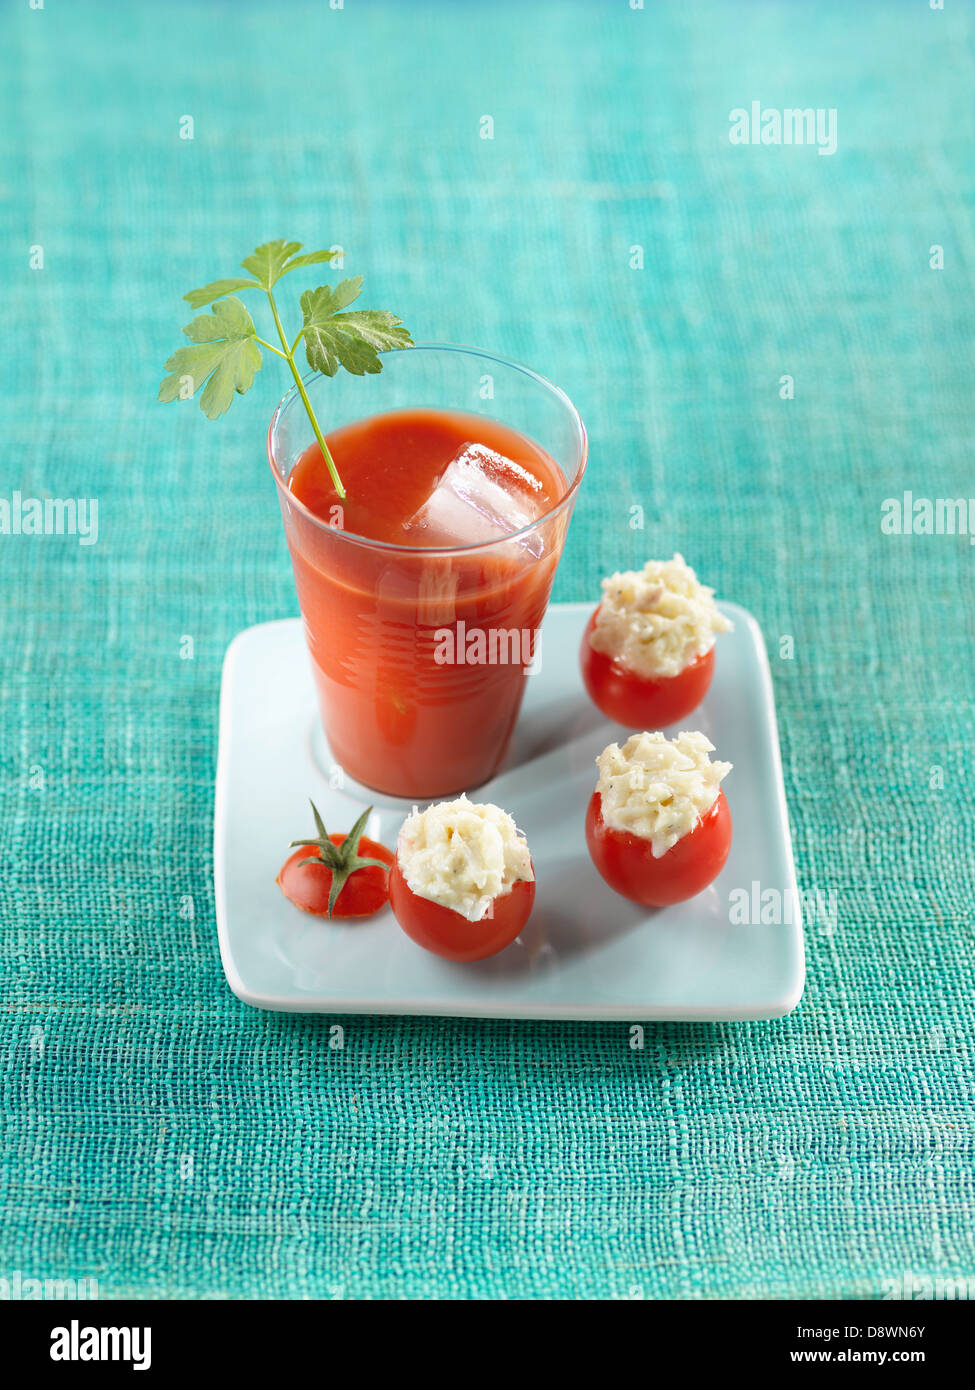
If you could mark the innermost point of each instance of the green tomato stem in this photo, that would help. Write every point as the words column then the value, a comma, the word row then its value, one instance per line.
column 288, row 354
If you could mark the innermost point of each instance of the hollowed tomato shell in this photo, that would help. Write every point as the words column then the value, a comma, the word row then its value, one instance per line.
column 447, row 933
column 634, row 701
column 627, row 864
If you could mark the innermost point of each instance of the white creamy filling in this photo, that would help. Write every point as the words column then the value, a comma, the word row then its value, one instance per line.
column 658, row 788
column 463, row 855
column 657, row 620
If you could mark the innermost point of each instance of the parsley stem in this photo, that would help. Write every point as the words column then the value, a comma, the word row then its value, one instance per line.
column 289, row 355
column 270, row 347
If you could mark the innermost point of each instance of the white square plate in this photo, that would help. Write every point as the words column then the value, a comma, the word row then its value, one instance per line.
column 586, row 953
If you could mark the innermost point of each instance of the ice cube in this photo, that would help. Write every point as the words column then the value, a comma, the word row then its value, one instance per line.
column 481, row 496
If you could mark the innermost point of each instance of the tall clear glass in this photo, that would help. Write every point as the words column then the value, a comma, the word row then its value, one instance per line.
column 413, row 702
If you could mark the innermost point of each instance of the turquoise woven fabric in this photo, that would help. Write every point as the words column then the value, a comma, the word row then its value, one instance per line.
column 166, row 1140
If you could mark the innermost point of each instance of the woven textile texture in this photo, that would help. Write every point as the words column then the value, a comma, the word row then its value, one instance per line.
column 163, row 1138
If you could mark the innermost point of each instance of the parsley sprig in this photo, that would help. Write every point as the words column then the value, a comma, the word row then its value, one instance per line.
column 343, row 859
column 225, row 351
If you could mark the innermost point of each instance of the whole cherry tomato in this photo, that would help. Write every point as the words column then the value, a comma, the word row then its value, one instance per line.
column 347, row 876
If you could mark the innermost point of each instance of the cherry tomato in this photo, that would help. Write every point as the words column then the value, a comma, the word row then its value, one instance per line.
column 364, row 892
column 447, row 933
column 633, row 700
column 627, row 863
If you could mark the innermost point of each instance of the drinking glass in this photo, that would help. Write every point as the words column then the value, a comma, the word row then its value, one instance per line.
column 412, row 701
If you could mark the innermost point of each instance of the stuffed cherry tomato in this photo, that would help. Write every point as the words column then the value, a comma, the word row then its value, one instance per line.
column 463, row 884
column 647, row 653
column 658, row 825
column 633, row 700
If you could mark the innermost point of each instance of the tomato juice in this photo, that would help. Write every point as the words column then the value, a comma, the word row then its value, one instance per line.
column 420, row 639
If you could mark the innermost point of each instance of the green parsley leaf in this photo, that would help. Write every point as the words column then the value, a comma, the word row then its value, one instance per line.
column 311, row 258
column 352, row 341
column 226, row 358
column 267, row 263
column 276, row 258
column 199, row 299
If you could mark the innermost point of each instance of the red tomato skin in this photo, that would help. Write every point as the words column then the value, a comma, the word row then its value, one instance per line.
column 365, row 891
column 627, row 864
column 634, row 701
column 446, row 933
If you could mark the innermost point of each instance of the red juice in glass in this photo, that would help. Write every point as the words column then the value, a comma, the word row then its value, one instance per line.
column 423, row 589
